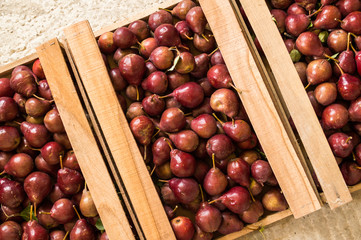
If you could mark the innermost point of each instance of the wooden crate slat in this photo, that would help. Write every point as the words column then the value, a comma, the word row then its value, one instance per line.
column 7, row 69
column 260, row 108
column 258, row 225
column 83, row 142
column 299, row 106
column 102, row 142
column 275, row 94
column 138, row 184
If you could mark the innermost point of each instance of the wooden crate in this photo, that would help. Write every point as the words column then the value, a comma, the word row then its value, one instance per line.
column 296, row 100
column 265, row 113
column 85, row 147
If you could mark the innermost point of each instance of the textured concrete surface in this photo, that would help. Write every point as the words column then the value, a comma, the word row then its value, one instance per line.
column 26, row 24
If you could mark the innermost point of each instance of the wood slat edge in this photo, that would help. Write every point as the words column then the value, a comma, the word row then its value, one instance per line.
column 268, row 78
column 270, row 219
column 130, row 164
column 84, row 145
column 260, row 108
column 6, row 69
column 107, row 156
column 299, row 106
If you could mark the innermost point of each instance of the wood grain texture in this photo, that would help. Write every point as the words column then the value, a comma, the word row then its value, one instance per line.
column 299, row 106
column 274, row 91
column 83, row 142
column 7, row 69
column 107, row 155
column 270, row 219
column 112, row 121
column 260, row 108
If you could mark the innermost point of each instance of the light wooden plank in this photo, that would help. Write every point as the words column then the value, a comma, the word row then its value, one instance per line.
column 112, row 121
column 107, row 154
column 6, row 69
column 83, row 142
column 274, row 91
column 299, row 106
column 260, row 108
column 270, row 219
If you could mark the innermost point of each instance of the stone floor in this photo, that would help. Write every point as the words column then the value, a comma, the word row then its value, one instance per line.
column 26, row 24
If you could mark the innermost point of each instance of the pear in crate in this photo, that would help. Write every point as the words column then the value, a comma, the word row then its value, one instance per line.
column 82, row 230
column 183, row 228
column 225, row 101
column 9, row 138
column 10, row 230
column 230, row 223
column 19, row 165
column 37, row 186
column 34, row 231
column 274, row 201
column 11, row 193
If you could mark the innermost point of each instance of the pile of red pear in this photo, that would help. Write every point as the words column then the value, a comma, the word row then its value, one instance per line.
column 190, row 125
column 323, row 38
column 42, row 191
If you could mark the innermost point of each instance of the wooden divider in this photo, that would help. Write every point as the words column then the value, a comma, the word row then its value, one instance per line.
column 298, row 104
column 262, row 112
column 114, row 126
column 83, row 142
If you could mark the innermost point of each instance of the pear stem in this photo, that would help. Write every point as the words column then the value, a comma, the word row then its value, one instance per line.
column 235, row 88
column 165, row 10
column 202, row 195
column 358, row 167
column 35, row 209
column 46, row 213
column 339, row 68
column 215, row 50
column 43, row 99
column 151, row 173
column 188, row 37
column 85, row 186
column 136, row 87
column 61, row 162
column 31, row 212
column 250, row 193
column 76, row 211
column 160, row 97
column 170, row 145
column 329, row 57
column 2, row 172
column 233, row 122
column 204, row 36
column 66, row 235
column 145, row 152
column 338, row 20
column 188, row 114
column 348, row 139
column 353, row 156
column 213, row 161
column 353, row 49
column 155, row 134
column 219, row 120
column 348, row 42
column 213, row 201
column 161, row 180
column 309, row 84
column 175, row 208
column 18, row 123
column 315, row 12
